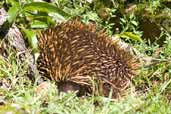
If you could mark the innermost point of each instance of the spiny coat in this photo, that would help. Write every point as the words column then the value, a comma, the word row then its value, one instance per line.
column 79, row 57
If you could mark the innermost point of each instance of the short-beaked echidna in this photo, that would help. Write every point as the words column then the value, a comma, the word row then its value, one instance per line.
column 79, row 57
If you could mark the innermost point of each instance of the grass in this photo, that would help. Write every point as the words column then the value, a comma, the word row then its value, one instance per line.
column 150, row 92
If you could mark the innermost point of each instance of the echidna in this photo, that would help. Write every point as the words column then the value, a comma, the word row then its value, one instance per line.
column 79, row 57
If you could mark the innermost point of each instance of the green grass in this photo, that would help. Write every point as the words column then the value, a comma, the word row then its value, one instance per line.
column 150, row 92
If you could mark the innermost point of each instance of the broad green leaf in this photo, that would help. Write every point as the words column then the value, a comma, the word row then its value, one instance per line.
column 45, row 7
column 32, row 39
column 39, row 24
column 41, row 21
column 13, row 12
column 57, row 16
column 131, row 36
